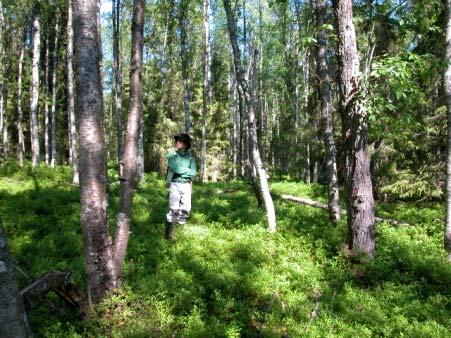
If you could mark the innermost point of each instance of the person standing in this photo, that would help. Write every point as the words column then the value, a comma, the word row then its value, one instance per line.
column 181, row 171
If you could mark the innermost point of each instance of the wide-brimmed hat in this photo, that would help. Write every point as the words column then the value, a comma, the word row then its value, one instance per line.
column 185, row 138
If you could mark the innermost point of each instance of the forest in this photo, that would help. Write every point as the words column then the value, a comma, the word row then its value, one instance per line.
column 306, row 144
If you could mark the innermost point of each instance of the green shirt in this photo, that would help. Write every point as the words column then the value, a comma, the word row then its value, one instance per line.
column 182, row 166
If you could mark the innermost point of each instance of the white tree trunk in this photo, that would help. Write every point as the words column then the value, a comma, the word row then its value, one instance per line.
column 19, row 102
column 54, row 90
column 34, row 90
column 47, row 139
column 97, row 244
column 248, row 99
column 73, row 140
column 207, row 92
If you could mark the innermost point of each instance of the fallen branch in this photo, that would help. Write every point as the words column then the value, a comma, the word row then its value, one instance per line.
column 59, row 282
column 316, row 204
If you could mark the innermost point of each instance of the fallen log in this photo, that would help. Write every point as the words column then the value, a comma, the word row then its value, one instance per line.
column 315, row 204
column 59, row 282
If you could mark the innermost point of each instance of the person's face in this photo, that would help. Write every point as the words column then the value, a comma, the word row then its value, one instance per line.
column 180, row 145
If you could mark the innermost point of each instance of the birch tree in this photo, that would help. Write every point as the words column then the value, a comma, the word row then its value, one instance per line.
column 34, row 87
column 73, row 140
column 255, row 158
column 20, row 134
column 47, row 126
column 54, row 89
column 206, row 88
column 98, row 250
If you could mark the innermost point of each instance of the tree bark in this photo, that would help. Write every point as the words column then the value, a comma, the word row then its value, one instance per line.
column 131, row 138
column 249, row 101
column 13, row 319
column 73, row 140
column 117, row 69
column 34, row 90
column 358, row 186
column 447, row 81
column 326, row 114
column 54, row 89
column 206, row 90
column 21, row 146
column 97, row 244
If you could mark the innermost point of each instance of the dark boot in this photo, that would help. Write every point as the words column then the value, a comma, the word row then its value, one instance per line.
column 169, row 231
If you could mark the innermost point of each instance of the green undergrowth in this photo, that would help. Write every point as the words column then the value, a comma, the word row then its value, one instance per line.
column 225, row 275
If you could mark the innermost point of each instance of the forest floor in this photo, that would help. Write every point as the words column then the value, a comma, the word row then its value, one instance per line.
column 225, row 275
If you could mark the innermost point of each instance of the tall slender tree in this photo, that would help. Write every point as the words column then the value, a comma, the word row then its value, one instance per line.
column 21, row 146
column 358, row 186
column 248, row 100
column 323, row 88
column 117, row 70
column 184, row 53
column 34, row 87
column 206, row 88
column 47, row 126
column 448, row 106
column 131, row 137
column 73, row 140
column 98, row 250
column 6, row 40
column 54, row 90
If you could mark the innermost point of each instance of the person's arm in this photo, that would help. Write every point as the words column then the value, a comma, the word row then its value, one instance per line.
column 192, row 169
column 174, row 165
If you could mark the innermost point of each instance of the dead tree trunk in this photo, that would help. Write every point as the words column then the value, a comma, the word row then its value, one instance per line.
column 97, row 244
column 13, row 319
column 326, row 113
column 131, row 138
column 73, row 140
column 358, row 186
column 249, row 103
column 448, row 106
column 34, row 90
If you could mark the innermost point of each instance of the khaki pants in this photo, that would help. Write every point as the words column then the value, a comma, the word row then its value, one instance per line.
column 179, row 202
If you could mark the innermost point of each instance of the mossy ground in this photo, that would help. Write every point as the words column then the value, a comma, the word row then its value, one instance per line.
column 225, row 275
